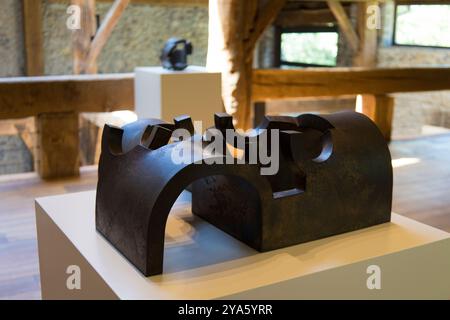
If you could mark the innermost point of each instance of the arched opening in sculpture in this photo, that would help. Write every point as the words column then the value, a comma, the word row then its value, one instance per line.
column 232, row 200
column 192, row 241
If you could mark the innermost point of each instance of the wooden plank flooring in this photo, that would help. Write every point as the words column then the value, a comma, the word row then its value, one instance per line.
column 19, row 269
column 421, row 191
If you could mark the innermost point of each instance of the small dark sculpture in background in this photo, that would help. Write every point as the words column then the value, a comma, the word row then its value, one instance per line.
column 174, row 54
column 335, row 176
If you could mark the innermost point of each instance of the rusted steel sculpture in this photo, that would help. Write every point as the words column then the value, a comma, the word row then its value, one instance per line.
column 334, row 176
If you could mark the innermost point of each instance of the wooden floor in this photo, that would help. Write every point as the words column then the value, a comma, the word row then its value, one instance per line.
column 421, row 191
column 19, row 270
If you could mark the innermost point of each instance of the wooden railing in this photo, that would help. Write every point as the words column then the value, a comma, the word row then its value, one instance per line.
column 56, row 101
column 31, row 96
column 374, row 84
column 319, row 82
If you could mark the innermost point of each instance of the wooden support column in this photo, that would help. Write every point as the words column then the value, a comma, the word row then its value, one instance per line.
column 377, row 107
column 234, row 29
column 380, row 109
column 82, row 38
column 226, row 52
column 88, row 44
column 32, row 22
column 366, row 55
column 34, row 52
column 57, row 145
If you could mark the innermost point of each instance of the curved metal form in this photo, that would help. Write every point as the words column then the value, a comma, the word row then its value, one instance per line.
column 334, row 176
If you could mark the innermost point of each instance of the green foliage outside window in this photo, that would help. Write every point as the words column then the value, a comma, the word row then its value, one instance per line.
column 423, row 25
column 317, row 48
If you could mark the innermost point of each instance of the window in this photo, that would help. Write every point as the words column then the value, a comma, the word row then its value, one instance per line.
column 315, row 47
column 422, row 25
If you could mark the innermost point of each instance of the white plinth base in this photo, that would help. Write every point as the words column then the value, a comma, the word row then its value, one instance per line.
column 165, row 94
column 202, row 262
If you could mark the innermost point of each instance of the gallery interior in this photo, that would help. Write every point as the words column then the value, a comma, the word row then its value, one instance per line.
column 352, row 197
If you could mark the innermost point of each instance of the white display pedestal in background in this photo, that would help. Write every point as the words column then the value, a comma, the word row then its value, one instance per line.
column 202, row 262
column 165, row 94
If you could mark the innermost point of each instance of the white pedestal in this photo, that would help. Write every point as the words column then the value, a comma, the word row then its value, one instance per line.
column 202, row 262
column 165, row 94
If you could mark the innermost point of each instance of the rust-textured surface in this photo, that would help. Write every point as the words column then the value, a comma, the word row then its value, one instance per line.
column 334, row 176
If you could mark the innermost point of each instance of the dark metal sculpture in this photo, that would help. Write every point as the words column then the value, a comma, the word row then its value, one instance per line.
column 174, row 54
column 334, row 176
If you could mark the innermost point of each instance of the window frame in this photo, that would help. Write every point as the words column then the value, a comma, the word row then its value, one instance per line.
column 304, row 29
column 405, row 3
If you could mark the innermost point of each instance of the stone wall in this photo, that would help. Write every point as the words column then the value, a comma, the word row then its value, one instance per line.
column 12, row 62
column 136, row 40
column 16, row 143
column 14, row 155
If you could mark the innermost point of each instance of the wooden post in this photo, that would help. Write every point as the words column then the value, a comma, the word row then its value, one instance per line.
column 226, row 52
column 366, row 55
column 32, row 22
column 377, row 107
column 234, row 29
column 82, row 37
column 34, row 52
column 380, row 109
column 57, row 145
column 101, row 37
